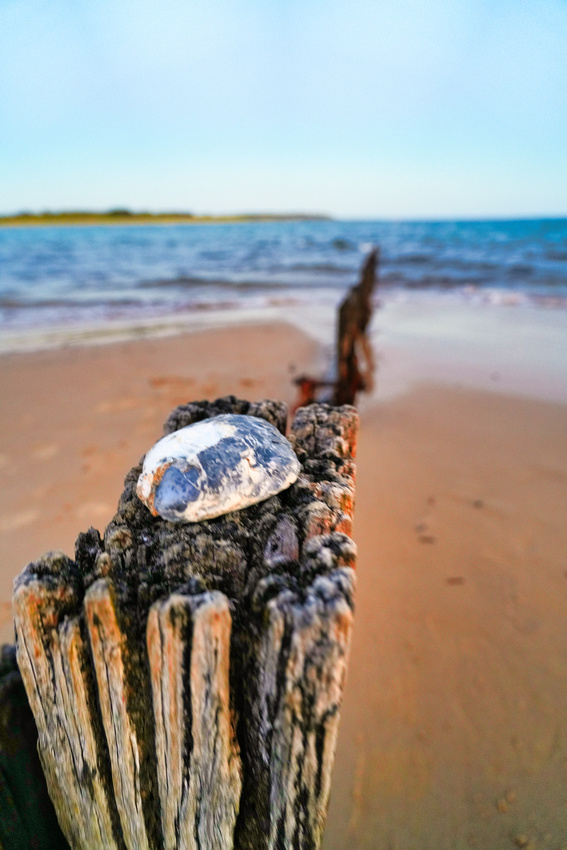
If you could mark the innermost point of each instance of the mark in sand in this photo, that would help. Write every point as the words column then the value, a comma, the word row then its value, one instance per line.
column 170, row 382
column 421, row 529
column 46, row 451
column 12, row 522
column 117, row 405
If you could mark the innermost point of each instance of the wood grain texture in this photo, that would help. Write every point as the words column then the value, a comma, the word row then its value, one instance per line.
column 199, row 771
column 27, row 816
column 109, row 652
column 53, row 660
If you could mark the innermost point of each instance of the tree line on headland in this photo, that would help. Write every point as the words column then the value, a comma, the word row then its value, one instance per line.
column 126, row 216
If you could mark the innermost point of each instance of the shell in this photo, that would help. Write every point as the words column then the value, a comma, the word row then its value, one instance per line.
column 216, row 466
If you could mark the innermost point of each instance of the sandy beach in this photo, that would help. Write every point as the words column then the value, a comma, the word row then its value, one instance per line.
column 454, row 726
column 454, row 729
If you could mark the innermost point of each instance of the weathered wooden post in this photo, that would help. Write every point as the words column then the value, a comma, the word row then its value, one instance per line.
column 352, row 344
column 27, row 818
column 355, row 313
column 186, row 678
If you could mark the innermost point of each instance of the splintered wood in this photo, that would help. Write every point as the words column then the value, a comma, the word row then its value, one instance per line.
column 199, row 771
column 186, row 679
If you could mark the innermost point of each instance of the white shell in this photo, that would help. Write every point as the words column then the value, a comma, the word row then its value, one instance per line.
column 215, row 466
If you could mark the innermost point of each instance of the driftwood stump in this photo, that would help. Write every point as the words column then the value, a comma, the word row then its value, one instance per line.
column 186, row 679
column 352, row 346
column 355, row 313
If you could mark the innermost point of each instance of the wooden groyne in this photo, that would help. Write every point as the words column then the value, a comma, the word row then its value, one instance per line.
column 186, row 678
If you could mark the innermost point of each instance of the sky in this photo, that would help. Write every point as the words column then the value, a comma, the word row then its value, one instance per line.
column 362, row 109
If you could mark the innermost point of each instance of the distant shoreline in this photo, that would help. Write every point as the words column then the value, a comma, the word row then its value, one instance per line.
column 124, row 217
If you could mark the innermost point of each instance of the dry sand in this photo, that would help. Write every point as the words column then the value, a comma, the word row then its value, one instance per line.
column 454, row 727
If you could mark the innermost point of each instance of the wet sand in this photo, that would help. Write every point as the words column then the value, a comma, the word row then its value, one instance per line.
column 454, row 727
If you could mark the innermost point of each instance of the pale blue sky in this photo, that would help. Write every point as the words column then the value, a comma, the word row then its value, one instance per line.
column 367, row 108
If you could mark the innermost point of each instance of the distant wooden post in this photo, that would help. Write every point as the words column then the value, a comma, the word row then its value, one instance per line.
column 352, row 346
column 186, row 679
column 355, row 313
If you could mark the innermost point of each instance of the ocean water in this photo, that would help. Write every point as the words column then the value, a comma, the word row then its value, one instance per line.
column 80, row 276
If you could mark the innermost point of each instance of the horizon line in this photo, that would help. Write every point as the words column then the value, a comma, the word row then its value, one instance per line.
column 127, row 213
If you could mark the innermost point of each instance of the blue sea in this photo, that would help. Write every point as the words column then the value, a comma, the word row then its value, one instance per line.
column 74, row 276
